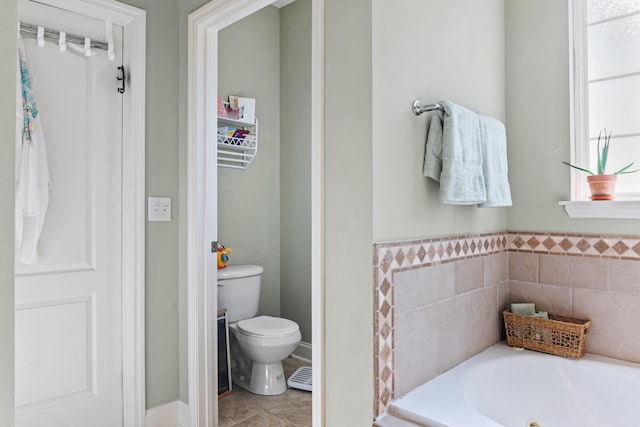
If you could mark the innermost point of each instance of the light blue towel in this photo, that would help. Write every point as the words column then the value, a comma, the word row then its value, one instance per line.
column 454, row 155
column 494, row 163
column 467, row 154
column 433, row 151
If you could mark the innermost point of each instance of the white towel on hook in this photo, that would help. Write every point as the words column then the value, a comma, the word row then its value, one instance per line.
column 32, row 170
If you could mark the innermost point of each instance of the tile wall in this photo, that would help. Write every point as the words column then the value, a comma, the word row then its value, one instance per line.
column 438, row 302
column 435, row 304
column 596, row 278
column 445, row 314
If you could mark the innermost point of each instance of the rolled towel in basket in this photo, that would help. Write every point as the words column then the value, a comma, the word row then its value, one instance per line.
column 526, row 309
column 540, row 315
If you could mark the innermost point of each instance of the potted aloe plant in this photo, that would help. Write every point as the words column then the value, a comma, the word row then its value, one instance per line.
column 601, row 184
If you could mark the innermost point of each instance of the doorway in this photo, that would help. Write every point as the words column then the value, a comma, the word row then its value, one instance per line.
column 80, row 303
column 204, row 25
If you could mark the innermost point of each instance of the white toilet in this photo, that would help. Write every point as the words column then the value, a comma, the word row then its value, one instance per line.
column 258, row 344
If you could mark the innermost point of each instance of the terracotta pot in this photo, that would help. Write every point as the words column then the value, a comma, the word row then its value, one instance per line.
column 602, row 186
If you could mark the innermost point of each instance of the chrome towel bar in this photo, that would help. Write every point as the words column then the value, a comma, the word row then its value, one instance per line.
column 419, row 108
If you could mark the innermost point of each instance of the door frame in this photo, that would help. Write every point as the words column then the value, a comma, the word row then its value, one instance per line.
column 203, row 27
column 133, row 21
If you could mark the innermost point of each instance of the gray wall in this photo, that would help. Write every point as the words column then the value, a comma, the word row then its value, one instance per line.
column 161, row 180
column 348, row 337
column 8, row 23
column 264, row 211
column 249, row 200
column 374, row 149
column 538, row 125
column 185, row 7
column 430, row 50
column 295, row 165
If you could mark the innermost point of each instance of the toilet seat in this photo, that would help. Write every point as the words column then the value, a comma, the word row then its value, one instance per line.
column 267, row 326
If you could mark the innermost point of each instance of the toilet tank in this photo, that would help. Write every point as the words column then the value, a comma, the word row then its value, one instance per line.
column 239, row 291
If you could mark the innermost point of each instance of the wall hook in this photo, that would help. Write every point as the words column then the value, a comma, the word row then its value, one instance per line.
column 40, row 36
column 109, row 31
column 121, row 89
column 87, row 46
column 62, row 41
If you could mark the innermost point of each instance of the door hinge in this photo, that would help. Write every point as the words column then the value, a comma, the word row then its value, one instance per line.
column 214, row 247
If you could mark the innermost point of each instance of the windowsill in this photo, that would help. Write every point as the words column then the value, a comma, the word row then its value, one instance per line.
column 617, row 209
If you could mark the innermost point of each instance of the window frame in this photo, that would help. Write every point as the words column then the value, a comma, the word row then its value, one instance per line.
column 580, row 206
column 579, row 102
column 578, row 94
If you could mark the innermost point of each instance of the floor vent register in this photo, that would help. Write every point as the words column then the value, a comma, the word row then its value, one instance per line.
column 301, row 379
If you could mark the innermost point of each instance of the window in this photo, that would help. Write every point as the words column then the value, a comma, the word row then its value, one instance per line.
column 606, row 89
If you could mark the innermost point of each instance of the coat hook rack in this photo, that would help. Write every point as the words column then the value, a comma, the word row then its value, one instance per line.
column 121, row 79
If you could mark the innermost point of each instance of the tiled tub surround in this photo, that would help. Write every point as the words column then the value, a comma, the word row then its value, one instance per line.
column 445, row 314
column 438, row 301
column 593, row 277
column 606, row 291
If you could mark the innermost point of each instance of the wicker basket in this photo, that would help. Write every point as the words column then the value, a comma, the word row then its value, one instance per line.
column 562, row 336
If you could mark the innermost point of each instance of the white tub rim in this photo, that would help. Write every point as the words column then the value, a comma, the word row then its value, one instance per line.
column 454, row 383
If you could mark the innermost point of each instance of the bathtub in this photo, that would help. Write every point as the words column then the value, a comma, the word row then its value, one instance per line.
column 519, row 388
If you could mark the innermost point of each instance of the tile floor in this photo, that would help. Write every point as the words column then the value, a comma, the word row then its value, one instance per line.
column 244, row 409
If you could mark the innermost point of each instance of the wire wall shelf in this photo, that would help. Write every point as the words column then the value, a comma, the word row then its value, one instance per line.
column 237, row 152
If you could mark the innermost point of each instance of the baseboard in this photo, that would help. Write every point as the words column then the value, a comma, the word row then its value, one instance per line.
column 184, row 415
column 303, row 351
column 172, row 414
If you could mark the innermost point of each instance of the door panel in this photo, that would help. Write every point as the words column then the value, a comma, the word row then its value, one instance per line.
column 55, row 371
column 69, row 305
column 61, row 88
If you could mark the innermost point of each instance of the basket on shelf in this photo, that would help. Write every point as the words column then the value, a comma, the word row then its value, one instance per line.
column 561, row 336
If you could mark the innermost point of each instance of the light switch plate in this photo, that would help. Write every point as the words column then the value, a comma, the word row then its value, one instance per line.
column 159, row 209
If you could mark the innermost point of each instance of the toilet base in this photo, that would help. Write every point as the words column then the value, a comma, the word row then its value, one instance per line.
column 267, row 379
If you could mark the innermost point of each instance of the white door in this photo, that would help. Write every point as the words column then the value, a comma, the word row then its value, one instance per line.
column 69, row 305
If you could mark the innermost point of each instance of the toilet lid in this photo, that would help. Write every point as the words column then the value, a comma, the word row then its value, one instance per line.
column 267, row 326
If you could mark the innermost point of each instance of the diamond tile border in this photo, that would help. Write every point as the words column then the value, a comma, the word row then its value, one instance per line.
column 398, row 256
column 587, row 245
column 390, row 257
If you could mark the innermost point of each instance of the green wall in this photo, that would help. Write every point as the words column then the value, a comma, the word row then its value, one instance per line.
column 538, row 127
column 373, row 153
column 185, row 7
column 161, row 180
column 264, row 211
column 8, row 26
column 431, row 51
column 348, row 338
column 295, row 165
column 249, row 200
